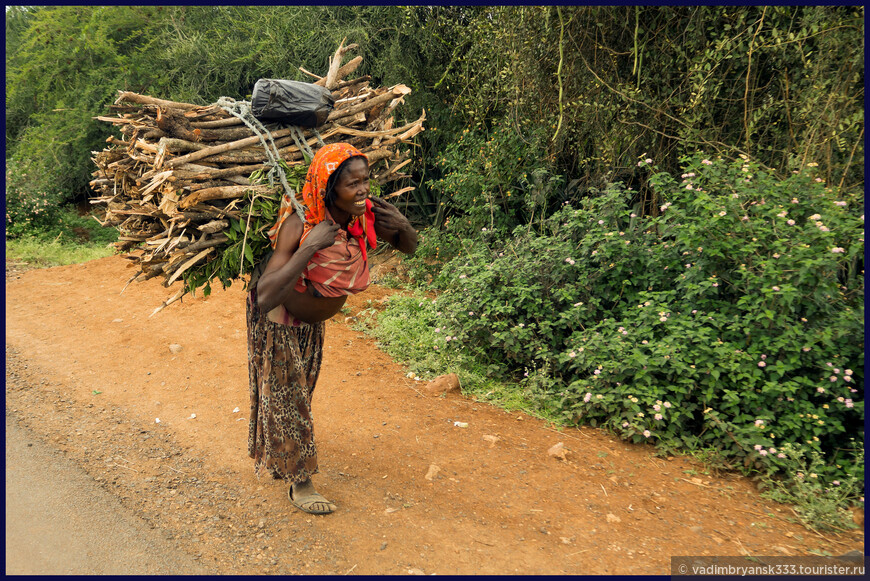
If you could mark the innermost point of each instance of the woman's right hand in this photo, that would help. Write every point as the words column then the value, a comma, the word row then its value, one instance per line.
column 322, row 235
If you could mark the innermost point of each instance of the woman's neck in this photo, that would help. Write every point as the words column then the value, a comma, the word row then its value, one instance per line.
column 339, row 216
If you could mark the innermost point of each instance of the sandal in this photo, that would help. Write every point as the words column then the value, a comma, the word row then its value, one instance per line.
column 305, row 503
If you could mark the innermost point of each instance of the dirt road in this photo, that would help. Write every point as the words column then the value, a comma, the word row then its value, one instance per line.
column 91, row 373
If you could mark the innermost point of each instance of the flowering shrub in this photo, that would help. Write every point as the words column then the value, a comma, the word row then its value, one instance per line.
column 819, row 492
column 30, row 206
column 730, row 320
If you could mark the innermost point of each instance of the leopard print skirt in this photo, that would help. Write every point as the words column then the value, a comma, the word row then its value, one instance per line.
column 283, row 365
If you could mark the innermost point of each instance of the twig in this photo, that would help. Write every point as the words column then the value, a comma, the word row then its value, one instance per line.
column 318, row 77
column 750, row 512
column 414, row 388
column 173, row 469
column 854, row 147
column 602, row 488
column 748, row 77
column 127, row 467
column 742, row 548
column 483, row 543
column 559, row 69
column 806, row 524
column 564, row 434
column 351, row 569
column 656, row 464
column 696, row 483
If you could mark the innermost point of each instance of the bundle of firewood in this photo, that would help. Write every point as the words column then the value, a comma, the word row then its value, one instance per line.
column 186, row 185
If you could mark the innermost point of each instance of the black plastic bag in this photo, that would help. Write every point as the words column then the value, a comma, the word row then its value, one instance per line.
column 291, row 102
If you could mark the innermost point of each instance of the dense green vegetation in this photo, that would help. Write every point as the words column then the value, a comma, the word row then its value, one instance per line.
column 553, row 219
column 731, row 323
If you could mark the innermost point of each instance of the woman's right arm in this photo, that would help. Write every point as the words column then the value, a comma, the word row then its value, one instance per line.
column 289, row 260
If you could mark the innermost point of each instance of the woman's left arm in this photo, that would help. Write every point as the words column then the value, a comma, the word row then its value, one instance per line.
column 392, row 226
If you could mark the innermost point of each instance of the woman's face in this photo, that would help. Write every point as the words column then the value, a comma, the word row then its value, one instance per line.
column 352, row 187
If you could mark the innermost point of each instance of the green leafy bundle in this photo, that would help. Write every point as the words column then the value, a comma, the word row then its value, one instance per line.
column 248, row 239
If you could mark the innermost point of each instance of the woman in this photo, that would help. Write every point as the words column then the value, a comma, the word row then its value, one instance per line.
column 315, row 265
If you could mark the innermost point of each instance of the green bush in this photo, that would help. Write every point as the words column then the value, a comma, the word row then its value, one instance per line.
column 411, row 331
column 30, row 205
column 731, row 318
column 504, row 181
column 819, row 501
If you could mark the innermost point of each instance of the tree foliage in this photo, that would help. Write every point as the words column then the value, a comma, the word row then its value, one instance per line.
column 584, row 91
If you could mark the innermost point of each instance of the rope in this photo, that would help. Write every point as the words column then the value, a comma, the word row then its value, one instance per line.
column 299, row 138
column 242, row 110
column 319, row 138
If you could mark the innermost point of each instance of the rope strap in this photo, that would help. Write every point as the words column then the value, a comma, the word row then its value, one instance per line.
column 242, row 110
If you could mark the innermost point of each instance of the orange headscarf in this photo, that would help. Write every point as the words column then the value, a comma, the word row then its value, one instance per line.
column 325, row 162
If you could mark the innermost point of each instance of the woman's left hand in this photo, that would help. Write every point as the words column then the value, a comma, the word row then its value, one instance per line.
column 393, row 227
